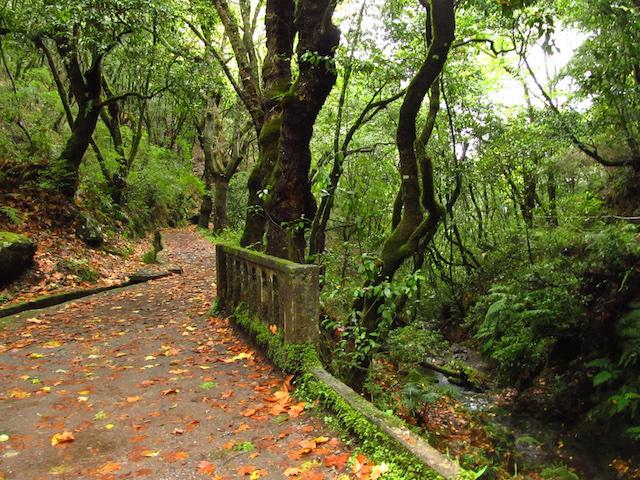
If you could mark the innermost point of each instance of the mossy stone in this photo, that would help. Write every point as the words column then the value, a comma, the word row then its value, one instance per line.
column 16, row 255
column 89, row 231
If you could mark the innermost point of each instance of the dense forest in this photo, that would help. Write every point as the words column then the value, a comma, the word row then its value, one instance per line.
column 467, row 175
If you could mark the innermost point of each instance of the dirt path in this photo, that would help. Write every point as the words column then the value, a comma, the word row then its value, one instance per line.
column 149, row 386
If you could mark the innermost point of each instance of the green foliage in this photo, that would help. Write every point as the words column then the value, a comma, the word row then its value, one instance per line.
column 525, row 319
column 560, row 472
column 79, row 268
column 416, row 395
column 150, row 256
column 244, row 447
column 11, row 214
column 413, row 344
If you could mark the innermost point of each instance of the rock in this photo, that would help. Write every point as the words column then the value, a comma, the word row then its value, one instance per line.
column 89, row 231
column 174, row 269
column 16, row 255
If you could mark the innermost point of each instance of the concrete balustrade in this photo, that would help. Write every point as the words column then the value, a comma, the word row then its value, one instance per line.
column 279, row 292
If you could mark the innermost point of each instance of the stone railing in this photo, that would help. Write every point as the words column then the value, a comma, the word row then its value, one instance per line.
column 279, row 292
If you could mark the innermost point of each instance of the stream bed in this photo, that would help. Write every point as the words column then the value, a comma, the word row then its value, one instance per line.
column 536, row 443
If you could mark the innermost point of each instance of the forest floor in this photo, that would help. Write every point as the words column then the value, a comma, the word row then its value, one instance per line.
column 62, row 262
column 142, row 383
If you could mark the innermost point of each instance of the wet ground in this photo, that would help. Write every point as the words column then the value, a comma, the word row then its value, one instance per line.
column 143, row 383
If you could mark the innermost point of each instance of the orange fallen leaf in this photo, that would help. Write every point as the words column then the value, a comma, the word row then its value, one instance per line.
column 273, row 329
column 226, row 395
column 64, row 437
column 296, row 410
column 176, row 456
column 247, row 470
column 108, row 468
column 292, row 472
column 206, row 468
column 133, row 399
column 338, row 461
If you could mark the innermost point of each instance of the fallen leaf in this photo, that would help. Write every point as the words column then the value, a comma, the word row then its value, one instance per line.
column 64, row 437
column 151, row 453
column 246, row 470
column 19, row 394
column 240, row 356
column 206, row 467
column 108, row 468
column 176, row 456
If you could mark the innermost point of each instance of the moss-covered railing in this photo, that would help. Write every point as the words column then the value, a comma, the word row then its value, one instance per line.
column 280, row 292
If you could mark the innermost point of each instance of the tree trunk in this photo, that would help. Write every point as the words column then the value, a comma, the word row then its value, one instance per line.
column 291, row 206
column 206, row 207
column 529, row 200
column 86, row 88
column 220, row 205
column 276, row 75
column 413, row 232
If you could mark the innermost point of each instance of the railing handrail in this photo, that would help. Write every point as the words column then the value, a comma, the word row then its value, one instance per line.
column 274, row 263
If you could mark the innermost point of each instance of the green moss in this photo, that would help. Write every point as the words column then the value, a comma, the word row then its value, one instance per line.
column 300, row 360
column 7, row 238
column 150, row 256
column 558, row 473
column 270, row 131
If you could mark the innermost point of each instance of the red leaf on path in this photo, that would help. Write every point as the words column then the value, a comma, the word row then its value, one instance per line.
column 108, row 467
column 175, row 456
column 312, row 475
column 338, row 461
column 64, row 437
column 206, row 468
column 246, row 470
column 307, row 445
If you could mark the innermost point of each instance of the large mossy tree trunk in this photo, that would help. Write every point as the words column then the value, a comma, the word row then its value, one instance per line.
column 221, row 190
column 206, row 134
column 276, row 75
column 221, row 161
column 266, row 103
column 86, row 87
column 291, row 206
column 421, row 212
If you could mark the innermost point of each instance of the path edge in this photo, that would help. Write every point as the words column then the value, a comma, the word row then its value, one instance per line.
column 373, row 428
column 46, row 301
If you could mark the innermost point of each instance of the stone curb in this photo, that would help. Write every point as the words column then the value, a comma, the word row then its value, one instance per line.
column 408, row 440
column 58, row 298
